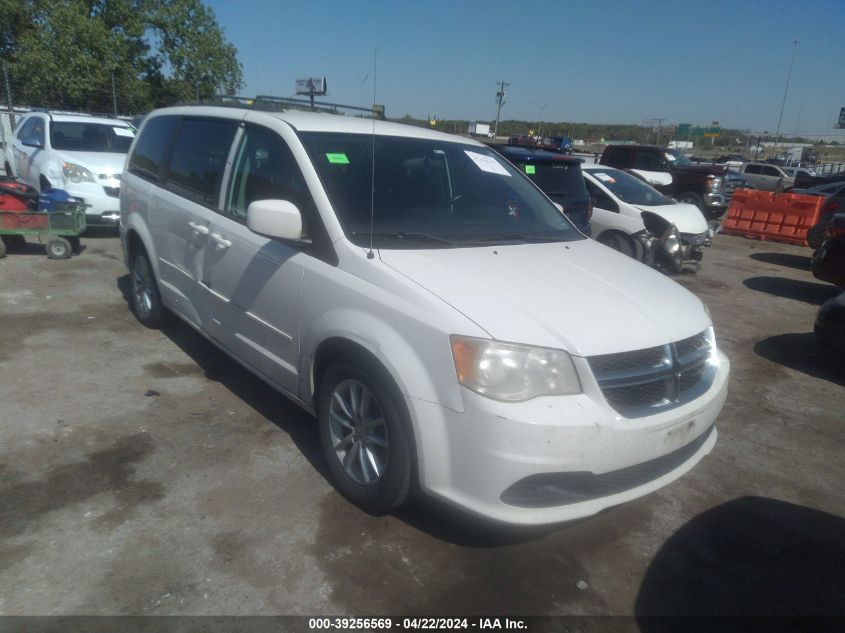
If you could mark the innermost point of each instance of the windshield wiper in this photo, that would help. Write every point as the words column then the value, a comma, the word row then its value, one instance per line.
column 512, row 237
column 404, row 235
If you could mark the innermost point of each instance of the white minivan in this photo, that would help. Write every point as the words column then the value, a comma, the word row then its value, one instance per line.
column 450, row 329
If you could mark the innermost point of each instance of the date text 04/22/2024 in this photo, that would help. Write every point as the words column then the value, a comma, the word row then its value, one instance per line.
column 422, row 623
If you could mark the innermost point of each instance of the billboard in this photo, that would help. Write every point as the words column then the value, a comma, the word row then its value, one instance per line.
column 312, row 86
column 841, row 118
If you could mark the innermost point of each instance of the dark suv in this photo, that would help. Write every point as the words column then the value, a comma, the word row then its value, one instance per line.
column 709, row 187
column 560, row 178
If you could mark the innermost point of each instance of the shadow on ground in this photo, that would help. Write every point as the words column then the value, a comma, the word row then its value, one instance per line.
column 790, row 260
column 806, row 291
column 219, row 367
column 752, row 556
column 805, row 353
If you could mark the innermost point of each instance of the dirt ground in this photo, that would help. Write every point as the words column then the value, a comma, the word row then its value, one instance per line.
column 143, row 472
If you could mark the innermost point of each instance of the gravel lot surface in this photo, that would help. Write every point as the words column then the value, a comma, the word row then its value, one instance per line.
column 143, row 472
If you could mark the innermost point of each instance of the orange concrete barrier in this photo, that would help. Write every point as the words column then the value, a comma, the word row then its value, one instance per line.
column 779, row 217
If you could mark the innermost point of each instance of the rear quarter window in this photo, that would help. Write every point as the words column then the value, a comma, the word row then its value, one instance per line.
column 562, row 181
column 149, row 155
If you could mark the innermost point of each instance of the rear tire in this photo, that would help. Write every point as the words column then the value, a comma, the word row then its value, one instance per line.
column 366, row 435
column 144, row 296
column 8, row 169
column 618, row 242
column 58, row 248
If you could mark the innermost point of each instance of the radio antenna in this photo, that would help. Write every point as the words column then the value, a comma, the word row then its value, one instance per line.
column 371, row 255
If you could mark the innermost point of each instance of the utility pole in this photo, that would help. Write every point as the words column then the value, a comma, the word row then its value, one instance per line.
column 785, row 90
column 8, row 97
column 659, row 129
column 113, row 95
column 500, row 98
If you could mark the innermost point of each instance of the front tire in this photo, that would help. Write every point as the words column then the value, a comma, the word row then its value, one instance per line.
column 144, row 296
column 365, row 435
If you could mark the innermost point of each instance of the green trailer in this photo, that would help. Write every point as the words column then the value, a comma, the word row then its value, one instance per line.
column 58, row 230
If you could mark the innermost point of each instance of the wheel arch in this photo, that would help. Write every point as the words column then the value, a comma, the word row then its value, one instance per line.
column 339, row 348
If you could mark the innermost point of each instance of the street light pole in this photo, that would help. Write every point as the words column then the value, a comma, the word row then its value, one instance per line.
column 785, row 90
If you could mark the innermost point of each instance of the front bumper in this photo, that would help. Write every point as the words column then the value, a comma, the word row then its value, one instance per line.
column 103, row 208
column 472, row 458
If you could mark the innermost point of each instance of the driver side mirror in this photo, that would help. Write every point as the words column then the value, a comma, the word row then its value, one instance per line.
column 276, row 219
column 32, row 142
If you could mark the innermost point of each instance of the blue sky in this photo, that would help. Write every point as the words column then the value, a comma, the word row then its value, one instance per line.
column 692, row 61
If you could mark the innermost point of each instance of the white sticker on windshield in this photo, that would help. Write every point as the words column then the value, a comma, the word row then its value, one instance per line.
column 605, row 177
column 487, row 163
column 124, row 131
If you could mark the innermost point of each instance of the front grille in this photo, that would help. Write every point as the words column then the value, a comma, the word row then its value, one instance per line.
column 646, row 381
column 114, row 192
column 696, row 239
column 732, row 183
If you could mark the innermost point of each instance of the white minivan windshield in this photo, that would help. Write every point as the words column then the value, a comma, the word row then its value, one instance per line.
column 431, row 193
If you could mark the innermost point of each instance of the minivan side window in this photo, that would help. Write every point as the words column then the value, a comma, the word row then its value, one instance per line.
column 265, row 169
column 752, row 169
column 148, row 157
column 199, row 159
column 601, row 199
column 771, row 171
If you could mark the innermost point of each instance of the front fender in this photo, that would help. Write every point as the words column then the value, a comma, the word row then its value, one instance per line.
column 423, row 370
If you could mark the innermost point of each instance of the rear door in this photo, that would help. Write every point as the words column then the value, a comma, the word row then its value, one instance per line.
column 181, row 210
column 253, row 283
column 753, row 175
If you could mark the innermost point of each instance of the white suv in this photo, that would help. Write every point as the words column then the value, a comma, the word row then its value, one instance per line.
column 81, row 154
column 450, row 329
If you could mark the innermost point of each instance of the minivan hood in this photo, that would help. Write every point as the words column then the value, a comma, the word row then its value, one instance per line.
column 579, row 296
column 95, row 162
column 686, row 217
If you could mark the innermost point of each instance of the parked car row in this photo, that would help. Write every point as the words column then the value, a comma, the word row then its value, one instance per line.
column 708, row 187
column 450, row 329
column 617, row 208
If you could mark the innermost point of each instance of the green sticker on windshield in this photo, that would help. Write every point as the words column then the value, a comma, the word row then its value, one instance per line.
column 337, row 159
column 530, row 169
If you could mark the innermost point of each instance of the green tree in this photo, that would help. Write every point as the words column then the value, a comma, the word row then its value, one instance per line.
column 87, row 54
column 192, row 48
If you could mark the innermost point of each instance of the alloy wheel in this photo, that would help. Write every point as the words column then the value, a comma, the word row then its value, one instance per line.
column 358, row 432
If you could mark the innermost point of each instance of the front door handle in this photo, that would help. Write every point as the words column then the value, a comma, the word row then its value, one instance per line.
column 198, row 228
column 221, row 241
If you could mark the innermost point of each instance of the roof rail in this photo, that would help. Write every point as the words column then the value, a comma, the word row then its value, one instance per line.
column 272, row 103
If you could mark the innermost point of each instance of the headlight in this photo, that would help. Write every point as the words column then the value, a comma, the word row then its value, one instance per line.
column 76, row 173
column 513, row 373
column 710, row 333
column 714, row 183
column 671, row 240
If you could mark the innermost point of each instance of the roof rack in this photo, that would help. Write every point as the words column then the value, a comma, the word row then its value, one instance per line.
column 272, row 103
